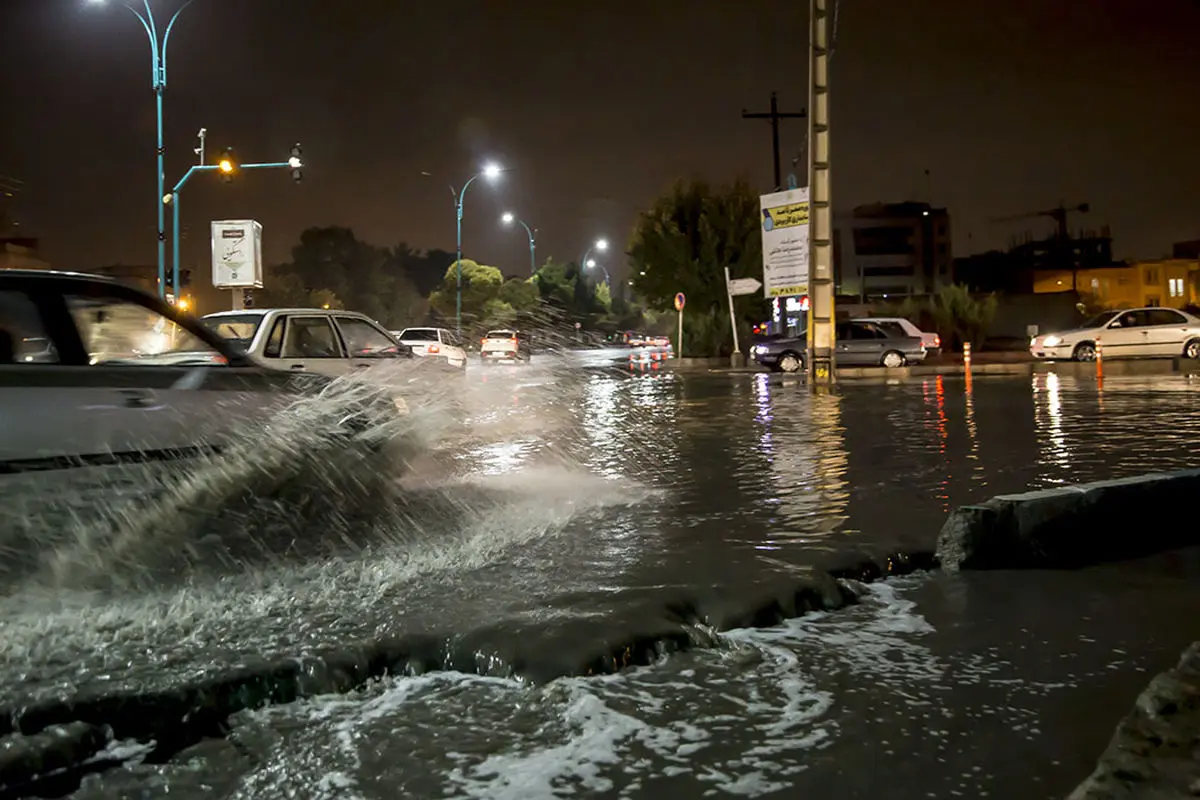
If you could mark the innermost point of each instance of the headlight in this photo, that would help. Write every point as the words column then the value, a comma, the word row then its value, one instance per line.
column 759, row 349
column 1053, row 341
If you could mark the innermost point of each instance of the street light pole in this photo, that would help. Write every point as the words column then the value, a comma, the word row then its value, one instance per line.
column 509, row 219
column 158, row 65
column 491, row 172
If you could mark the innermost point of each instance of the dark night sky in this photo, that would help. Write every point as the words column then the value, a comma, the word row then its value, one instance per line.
column 1013, row 106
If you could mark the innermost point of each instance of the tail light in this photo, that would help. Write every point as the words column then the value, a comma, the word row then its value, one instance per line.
column 219, row 359
column 937, row 341
column 433, row 348
column 483, row 341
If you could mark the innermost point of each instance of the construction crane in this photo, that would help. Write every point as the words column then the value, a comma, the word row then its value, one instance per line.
column 1059, row 215
column 1062, row 236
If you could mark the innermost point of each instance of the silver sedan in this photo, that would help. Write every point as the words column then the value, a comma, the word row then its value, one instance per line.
column 859, row 344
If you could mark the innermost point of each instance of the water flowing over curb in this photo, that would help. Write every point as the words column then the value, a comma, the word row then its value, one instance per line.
column 47, row 747
column 1154, row 751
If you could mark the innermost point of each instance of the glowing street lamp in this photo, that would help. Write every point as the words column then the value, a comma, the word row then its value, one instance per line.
column 490, row 172
column 158, row 81
column 600, row 246
column 508, row 219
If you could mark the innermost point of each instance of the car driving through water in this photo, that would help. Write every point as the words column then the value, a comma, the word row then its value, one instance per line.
column 1150, row 332
column 95, row 372
column 505, row 346
column 436, row 344
column 859, row 344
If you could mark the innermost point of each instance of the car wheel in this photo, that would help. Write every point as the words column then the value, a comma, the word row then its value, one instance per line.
column 791, row 362
column 1192, row 349
column 893, row 359
column 1084, row 351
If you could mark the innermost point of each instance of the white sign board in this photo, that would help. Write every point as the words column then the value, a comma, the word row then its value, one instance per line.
column 237, row 254
column 785, row 238
column 741, row 286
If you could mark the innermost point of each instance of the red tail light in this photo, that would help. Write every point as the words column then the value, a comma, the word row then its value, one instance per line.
column 483, row 341
column 937, row 341
column 433, row 348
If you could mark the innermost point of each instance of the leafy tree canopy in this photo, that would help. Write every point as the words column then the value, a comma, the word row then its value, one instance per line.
column 684, row 243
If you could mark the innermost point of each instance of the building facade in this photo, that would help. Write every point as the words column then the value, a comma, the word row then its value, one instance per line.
column 887, row 250
column 1167, row 282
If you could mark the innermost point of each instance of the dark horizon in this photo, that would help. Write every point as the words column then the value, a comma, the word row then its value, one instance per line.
column 595, row 113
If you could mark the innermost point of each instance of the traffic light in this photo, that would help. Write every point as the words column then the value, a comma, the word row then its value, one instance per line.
column 296, row 163
column 228, row 164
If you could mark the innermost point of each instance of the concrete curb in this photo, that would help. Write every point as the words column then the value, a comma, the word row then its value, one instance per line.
column 1155, row 752
column 59, row 736
column 1149, row 366
column 1072, row 526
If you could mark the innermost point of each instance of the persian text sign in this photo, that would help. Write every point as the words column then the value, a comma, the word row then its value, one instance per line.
column 785, row 240
column 237, row 254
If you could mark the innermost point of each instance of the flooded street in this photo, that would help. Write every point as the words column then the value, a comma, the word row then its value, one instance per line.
column 555, row 507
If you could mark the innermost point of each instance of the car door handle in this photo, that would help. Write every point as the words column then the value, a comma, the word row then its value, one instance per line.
column 297, row 366
column 137, row 398
column 360, row 366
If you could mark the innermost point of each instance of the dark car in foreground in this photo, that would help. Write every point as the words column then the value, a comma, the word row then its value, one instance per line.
column 858, row 344
column 95, row 372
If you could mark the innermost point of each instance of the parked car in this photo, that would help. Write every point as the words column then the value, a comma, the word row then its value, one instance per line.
column 318, row 340
column 112, row 375
column 1131, row 333
column 903, row 327
column 858, row 343
column 505, row 346
column 435, row 343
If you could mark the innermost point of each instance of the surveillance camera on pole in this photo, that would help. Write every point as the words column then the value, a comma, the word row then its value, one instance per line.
column 296, row 162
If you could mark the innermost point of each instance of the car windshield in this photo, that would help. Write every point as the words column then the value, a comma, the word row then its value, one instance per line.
column 237, row 329
column 500, row 335
column 419, row 334
column 115, row 330
column 1098, row 321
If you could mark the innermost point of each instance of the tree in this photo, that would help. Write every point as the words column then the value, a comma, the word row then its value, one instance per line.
column 684, row 243
column 480, row 293
column 353, row 273
column 424, row 271
column 960, row 317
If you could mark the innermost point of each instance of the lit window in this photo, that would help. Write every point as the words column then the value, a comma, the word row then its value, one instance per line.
column 1175, row 287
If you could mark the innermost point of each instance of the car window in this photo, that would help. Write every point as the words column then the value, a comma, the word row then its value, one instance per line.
column 274, row 346
column 1130, row 319
column 1164, row 316
column 451, row 338
column 116, row 330
column 310, row 337
column 419, row 334
column 23, row 339
column 864, row 330
column 363, row 340
column 236, row 329
column 893, row 328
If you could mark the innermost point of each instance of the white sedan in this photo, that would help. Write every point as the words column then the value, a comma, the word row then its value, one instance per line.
column 438, row 344
column 1151, row 332
column 94, row 373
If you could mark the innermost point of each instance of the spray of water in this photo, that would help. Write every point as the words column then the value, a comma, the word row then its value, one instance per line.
column 296, row 534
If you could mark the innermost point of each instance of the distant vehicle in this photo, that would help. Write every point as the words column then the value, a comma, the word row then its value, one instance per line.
column 317, row 340
column 902, row 327
column 505, row 346
column 435, row 343
column 94, row 373
column 1150, row 332
column 859, row 343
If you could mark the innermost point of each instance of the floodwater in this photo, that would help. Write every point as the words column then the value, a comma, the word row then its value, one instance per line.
column 567, row 502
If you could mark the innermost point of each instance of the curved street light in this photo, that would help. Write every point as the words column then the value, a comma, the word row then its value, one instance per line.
column 508, row 219
column 591, row 263
column 490, row 172
column 600, row 246
column 158, row 81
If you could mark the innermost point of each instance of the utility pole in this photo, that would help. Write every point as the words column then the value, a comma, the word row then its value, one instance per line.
column 775, row 115
column 820, row 361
